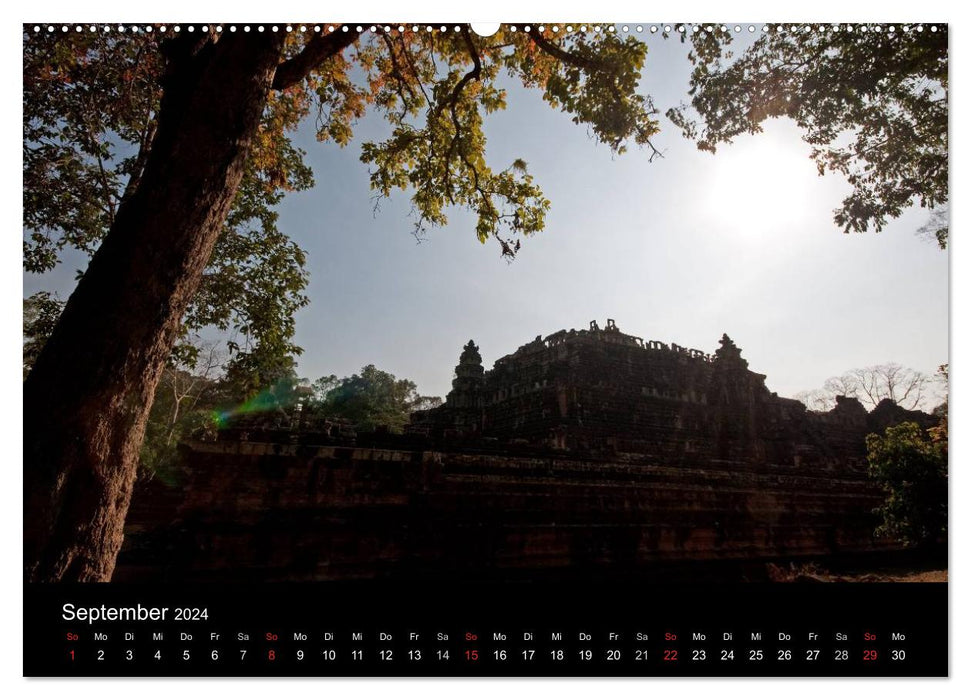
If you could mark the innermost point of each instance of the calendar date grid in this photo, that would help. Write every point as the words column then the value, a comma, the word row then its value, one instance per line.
column 370, row 629
column 284, row 649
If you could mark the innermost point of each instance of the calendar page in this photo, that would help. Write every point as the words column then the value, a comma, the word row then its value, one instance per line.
column 520, row 349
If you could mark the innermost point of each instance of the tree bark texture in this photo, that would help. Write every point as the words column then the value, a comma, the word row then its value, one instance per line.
column 87, row 399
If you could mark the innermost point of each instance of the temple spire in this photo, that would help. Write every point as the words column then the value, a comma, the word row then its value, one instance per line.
column 470, row 363
column 729, row 352
column 468, row 379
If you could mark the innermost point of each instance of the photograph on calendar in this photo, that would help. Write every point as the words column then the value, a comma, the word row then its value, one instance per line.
column 515, row 303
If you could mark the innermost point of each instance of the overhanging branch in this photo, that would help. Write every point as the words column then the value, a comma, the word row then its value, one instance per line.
column 318, row 49
column 589, row 66
column 556, row 52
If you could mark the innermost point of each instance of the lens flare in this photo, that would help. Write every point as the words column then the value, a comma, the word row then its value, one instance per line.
column 266, row 400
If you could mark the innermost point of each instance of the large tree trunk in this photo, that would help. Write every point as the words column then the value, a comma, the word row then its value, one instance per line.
column 87, row 399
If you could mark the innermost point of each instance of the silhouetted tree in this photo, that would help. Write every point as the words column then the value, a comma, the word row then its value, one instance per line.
column 870, row 385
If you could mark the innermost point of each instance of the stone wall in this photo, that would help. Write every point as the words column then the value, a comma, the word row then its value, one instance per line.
column 267, row 512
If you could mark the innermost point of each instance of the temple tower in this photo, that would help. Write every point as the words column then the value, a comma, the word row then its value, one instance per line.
column 737, row 394
column 468, row 379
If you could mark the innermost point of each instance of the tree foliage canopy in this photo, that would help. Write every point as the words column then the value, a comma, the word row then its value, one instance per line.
column 90, row 110
column 91, row 101
column 911, row 467
column 41, row 311
column 872, row 104
column 370, row 399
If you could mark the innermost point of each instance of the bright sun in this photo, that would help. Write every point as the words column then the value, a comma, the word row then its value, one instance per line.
column 763, row 177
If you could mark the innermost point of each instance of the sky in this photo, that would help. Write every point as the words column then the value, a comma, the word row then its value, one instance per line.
column 681, row 250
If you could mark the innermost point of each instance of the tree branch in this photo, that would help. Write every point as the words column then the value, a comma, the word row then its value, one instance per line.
column 556, row 52
column 473, row 74
column 589, row 66
column 399, row 80
column 411, row 64
column 318, row 49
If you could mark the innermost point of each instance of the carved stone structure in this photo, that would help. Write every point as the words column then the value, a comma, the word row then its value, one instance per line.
column 465, row 398
column 581, row 453
column 605, row 392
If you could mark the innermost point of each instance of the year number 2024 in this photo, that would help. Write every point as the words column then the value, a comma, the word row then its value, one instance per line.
column 191, row 614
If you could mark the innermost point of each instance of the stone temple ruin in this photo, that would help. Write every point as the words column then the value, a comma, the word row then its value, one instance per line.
column 603, row 391
column 581, row 453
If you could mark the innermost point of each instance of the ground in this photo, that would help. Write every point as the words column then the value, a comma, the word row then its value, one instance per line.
column 813, row 573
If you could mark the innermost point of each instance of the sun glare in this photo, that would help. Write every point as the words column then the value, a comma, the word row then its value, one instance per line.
column 764, row 181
